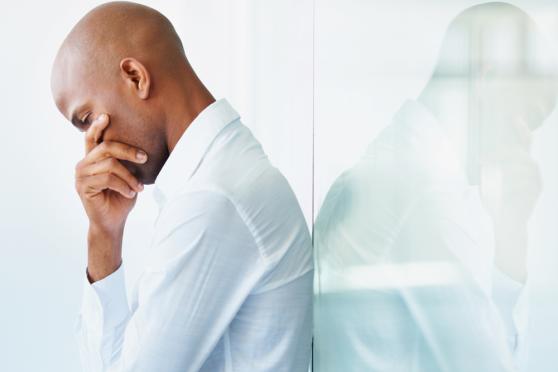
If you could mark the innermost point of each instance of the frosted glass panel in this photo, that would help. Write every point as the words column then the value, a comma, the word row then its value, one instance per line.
column 436, row 186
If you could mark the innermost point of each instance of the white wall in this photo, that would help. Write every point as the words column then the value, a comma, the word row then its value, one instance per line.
column 257, row 55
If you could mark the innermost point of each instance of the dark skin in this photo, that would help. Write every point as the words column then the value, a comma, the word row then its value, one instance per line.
column 133, row 93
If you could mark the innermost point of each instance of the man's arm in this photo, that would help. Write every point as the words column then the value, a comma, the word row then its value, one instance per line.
column 459, row 310
column 108, row 193
column 104, row 253
column 205, row 263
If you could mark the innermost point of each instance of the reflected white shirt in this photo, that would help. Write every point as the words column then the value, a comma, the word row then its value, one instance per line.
column 404, row 254
column 228, row 286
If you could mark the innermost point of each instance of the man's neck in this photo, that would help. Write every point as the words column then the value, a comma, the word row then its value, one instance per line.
column 449, row 104
column 194, row 98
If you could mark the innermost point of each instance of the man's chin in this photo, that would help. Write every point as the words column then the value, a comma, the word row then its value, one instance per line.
column 141, row 172
column 143, row 177
column 149, row 181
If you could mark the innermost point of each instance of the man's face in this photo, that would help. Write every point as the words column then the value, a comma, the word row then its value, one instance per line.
column 513, row 110
column 82, row 95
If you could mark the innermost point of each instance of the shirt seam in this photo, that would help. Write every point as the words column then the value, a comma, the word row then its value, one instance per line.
column 245, row 220
column 282, row 282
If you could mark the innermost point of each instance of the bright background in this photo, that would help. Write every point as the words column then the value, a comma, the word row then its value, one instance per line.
column 315, row 85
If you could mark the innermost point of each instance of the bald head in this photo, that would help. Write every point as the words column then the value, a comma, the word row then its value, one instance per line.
column 491, row 37
column 116, row 30
column 125, row 27
column 494, row 84
column 127, row 61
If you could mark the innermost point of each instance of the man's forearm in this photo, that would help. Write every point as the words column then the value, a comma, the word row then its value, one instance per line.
column 104, row 254
column 511, row 250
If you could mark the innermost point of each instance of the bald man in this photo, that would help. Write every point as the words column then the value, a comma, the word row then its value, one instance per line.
column 228, row 286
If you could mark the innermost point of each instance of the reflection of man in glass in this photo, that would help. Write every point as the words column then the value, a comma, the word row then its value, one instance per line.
column 422, row 245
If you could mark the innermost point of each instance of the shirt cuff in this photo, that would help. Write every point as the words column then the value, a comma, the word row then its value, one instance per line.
column 512, row 298
column 105, row 304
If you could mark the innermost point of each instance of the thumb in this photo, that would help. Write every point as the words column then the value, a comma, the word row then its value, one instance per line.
column 95, row 132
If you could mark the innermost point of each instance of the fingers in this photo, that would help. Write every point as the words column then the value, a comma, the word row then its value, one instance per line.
column 100, row 169
column 113, row 166
column 118, row 150
column 105, row 181
column 96, row 151
column 95, row 132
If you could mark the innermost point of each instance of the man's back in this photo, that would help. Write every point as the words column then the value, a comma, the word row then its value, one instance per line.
column 272, row 329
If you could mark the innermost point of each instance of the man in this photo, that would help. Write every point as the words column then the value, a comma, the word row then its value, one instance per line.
column 422, row 245
column 228, row 286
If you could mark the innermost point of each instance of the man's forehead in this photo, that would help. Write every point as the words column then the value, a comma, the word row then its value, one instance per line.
column 68, row 84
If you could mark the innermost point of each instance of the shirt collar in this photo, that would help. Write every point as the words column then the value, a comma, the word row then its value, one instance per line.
column 190, row 149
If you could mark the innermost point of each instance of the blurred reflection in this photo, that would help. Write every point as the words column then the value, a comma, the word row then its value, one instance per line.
column 421, row 247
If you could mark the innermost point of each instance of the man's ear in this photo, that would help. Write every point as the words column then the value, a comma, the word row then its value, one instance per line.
column 136, row 76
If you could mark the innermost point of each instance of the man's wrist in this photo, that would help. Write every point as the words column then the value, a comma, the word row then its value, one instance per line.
column 510, row 251
column 104, row 254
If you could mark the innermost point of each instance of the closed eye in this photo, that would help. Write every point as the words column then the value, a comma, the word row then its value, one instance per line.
column 80, row 122
column 85, row 122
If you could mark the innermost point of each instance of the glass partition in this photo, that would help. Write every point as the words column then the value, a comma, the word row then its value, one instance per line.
column 435, row 186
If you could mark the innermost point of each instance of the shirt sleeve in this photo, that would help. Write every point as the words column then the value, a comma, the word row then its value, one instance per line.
column 512, row 300
column 204, row 262
column 457, row 308
column 431, row 311
column 102, row 320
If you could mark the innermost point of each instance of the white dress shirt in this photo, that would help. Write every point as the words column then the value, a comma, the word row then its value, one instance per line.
column 404, row 253
column 228, row 286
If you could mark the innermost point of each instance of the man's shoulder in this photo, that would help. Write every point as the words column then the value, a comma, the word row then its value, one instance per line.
column 236, row 173
column 237, row 167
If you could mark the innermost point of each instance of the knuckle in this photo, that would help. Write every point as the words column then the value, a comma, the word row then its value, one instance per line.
column 79, row 186
column 104, row 148
column 79, row 169
column 107, row 178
